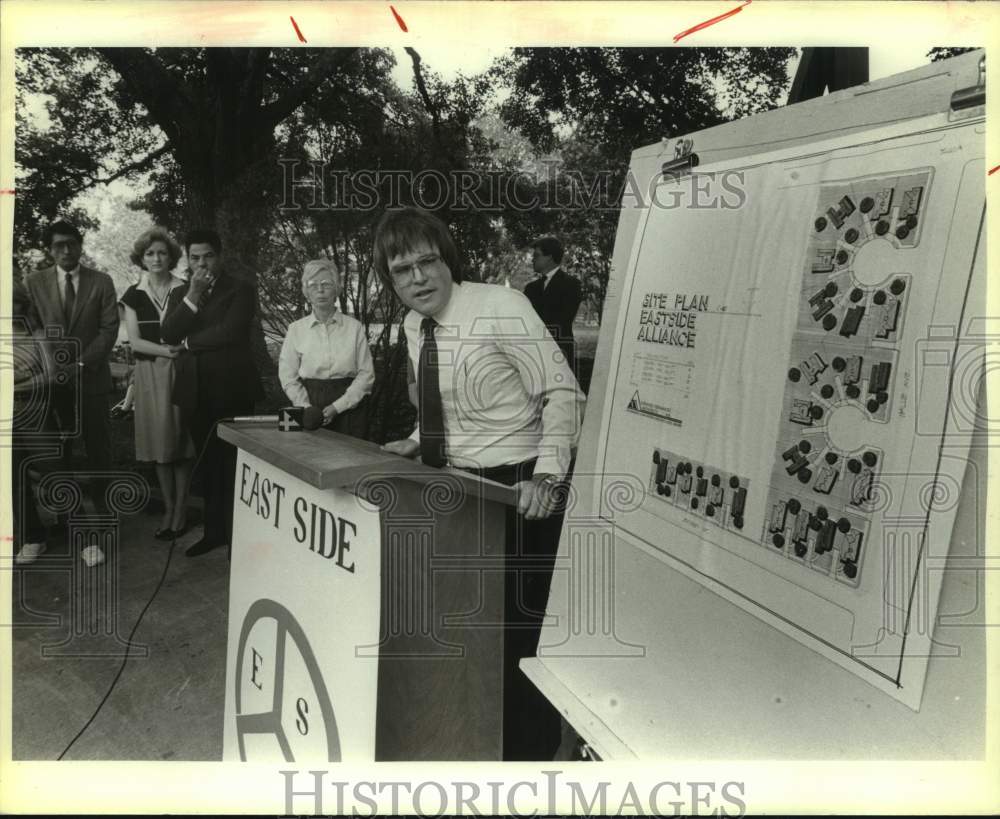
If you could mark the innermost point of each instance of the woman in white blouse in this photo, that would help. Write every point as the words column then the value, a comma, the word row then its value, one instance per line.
column 325, row 361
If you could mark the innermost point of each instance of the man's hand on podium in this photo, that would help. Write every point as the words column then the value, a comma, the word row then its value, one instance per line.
column 407, row 447
column 329, row 413
column 538, row 498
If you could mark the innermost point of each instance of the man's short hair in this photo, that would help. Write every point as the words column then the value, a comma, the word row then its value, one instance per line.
column 202, row 236
column 62, row 228
column 155, row 234
column 549, row 246
column 402, row 230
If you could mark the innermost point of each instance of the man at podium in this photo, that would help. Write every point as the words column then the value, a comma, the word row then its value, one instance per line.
column 496, row 398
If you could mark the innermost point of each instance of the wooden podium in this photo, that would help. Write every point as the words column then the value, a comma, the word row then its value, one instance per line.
column 366, row 604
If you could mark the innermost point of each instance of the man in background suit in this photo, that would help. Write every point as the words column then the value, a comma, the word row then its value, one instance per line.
column 82, row 303
column 215, row 374
column 555, row 295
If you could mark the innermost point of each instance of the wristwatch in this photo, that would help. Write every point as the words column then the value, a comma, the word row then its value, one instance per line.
column 550, row 481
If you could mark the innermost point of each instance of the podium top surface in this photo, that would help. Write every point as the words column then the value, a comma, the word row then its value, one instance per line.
column 329, row 460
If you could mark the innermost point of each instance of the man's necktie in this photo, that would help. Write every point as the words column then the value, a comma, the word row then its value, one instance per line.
column 429, row 392
column 69, row 302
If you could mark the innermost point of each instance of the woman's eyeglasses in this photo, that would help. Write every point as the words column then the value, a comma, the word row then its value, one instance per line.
column 321, row 286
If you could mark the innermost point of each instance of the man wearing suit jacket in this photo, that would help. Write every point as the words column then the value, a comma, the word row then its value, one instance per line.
column 555, row 295
column 82, row 303
column 215, row 374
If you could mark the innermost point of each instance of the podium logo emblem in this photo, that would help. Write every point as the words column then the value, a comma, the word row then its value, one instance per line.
column 283, row 710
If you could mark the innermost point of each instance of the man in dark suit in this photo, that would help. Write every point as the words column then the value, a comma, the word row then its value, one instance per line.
column 215, row 374
column 555, row 295
column 81, row 303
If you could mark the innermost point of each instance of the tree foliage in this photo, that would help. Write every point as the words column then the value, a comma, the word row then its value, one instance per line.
column 589, row 108
column 945, row 53
column 278, row 149
column 625, row 97
column 407, row 148
column 204, row 124
column 75, row 130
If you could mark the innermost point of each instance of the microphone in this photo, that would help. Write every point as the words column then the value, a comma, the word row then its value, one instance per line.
column 288, row 419
column 312, row 418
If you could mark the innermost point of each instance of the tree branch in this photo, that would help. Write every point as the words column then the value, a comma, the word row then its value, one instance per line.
column 138, row 165
column 254, row 73
column 418, row 75
column 163, row 95
column 379, row 104
column 132, row 167
column 330, row 60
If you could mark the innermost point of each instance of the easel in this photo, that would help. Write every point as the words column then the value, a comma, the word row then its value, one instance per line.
column 711, row 681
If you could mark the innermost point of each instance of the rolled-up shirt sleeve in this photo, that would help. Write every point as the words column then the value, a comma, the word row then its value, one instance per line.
column 288, row 370
column 557, row 392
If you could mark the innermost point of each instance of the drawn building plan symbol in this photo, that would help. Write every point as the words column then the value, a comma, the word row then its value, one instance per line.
column 651, row 409
column 843, row 365
column 283, row 708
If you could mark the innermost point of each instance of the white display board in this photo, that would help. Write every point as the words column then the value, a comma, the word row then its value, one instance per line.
column 781, row 370
column 301, row 675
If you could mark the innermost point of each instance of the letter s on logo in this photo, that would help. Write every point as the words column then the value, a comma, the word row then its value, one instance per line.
column 302, row 707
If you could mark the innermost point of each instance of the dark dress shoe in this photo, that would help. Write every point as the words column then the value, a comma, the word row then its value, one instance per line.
column 164, row 534
column 201, row 547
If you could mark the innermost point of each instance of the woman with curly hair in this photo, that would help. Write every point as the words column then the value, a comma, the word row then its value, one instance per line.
column 160, row 434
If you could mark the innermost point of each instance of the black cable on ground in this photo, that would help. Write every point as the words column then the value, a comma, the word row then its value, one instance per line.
column 128, row 646
column 128, row 642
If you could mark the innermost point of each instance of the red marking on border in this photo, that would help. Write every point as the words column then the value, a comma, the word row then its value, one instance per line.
column 399, row 19
column 990, row 171
column 296, row 27
column 713, row 21
column 7, row 538
column 8, row 191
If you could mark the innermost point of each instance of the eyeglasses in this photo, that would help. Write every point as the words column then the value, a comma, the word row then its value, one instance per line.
column 403, row 274
column 314, row 286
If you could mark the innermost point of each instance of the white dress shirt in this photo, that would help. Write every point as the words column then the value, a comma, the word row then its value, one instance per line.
column 337, row 348
column 506, row 390
column 549, row 275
